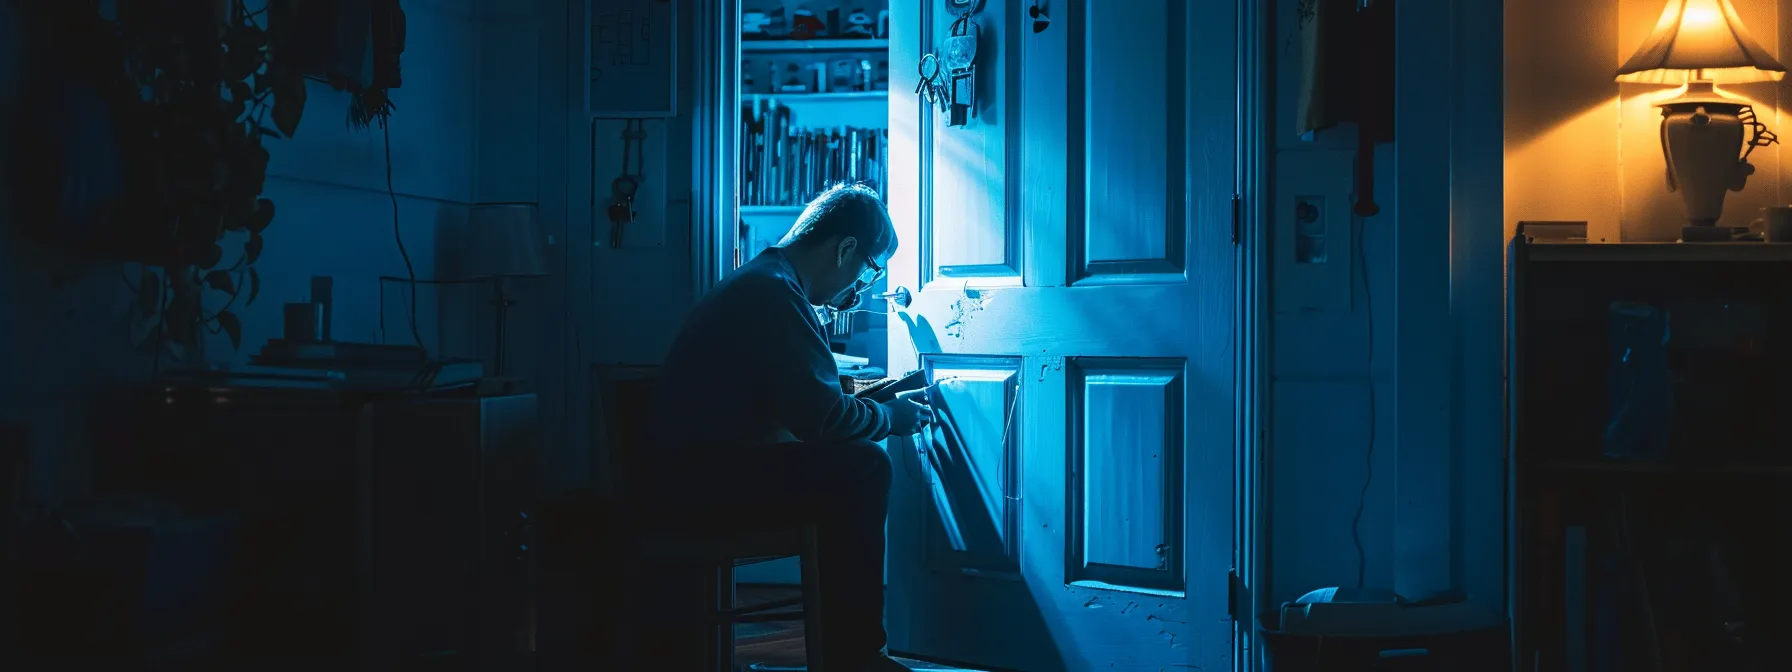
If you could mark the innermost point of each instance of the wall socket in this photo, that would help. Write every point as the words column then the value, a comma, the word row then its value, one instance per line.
column 1312, row 243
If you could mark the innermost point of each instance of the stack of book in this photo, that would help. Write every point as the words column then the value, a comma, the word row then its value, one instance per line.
column 283, row 363
column 782, row 164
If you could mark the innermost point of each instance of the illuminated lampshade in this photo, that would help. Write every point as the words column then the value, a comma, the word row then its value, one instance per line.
column 1704, row 133
column 1700, row 40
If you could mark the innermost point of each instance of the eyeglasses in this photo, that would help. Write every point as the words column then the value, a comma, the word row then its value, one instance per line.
column 875, row 272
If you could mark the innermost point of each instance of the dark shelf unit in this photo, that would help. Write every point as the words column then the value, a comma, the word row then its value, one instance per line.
column 1664, row 564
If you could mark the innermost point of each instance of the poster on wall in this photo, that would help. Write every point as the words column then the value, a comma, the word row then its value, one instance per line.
column 633, row 55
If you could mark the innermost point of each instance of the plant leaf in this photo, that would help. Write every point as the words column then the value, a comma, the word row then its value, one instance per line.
column 149, row 292
column 232, row 327
column 254, row 286
column 252, row 249
column 264, row 215
column 220, row 280
column 289, row 103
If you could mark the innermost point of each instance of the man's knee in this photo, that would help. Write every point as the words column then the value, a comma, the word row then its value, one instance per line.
column 871, row 457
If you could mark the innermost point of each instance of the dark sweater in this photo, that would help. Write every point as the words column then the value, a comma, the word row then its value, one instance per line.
column 751, row 366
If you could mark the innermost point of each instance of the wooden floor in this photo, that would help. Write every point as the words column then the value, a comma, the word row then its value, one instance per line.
column 780, row 644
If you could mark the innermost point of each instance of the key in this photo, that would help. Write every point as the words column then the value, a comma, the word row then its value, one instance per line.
column 929, row 69
column 622, row 207
column 963, row 96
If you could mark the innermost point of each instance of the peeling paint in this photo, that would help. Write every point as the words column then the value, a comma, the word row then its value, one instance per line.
column 963, row 307
column 1093, row 603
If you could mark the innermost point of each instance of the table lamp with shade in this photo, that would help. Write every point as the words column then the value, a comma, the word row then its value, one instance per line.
column 1701, row 43
column 507, row 243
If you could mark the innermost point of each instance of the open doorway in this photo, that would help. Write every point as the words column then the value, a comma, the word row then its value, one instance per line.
column 813, row 112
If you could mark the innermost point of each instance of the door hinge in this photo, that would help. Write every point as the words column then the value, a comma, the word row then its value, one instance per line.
column 1238, row 596
column 1237, row 216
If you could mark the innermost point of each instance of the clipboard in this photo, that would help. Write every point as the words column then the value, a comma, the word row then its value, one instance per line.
column 887, row 390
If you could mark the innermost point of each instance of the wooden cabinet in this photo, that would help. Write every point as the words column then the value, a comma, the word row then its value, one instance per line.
column 1649, row 450
column 370, row 531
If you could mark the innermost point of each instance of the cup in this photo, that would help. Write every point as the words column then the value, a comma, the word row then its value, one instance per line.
column 304, row 322
column 1775, row 223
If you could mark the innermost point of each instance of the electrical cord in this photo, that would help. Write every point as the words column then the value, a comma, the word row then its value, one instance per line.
column 398, row 237
column 1362, row 501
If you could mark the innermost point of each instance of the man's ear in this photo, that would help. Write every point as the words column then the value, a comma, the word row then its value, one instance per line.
column 844, row 251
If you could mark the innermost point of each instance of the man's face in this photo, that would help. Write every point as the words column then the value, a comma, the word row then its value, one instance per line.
column 853, row 273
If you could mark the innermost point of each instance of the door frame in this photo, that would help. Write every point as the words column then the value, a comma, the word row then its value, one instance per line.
column 715, row 142
column 1254, row 207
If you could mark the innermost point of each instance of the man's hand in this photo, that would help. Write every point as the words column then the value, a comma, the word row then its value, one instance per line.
column 909, row 412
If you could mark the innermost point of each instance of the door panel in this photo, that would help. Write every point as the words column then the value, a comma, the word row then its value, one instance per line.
column 968, row 167
column 1125, row 478
column 1072, row 250
column 975, row 494
column 1130, row 87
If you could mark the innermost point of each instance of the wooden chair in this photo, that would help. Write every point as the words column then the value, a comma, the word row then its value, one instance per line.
column 716, row 548
column 718, row 552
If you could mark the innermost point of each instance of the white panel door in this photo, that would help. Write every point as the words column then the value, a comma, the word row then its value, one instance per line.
column 1072, row 246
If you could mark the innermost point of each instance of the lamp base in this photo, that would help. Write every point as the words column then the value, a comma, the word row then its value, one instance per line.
column 1707, row 234
column 1702, row 137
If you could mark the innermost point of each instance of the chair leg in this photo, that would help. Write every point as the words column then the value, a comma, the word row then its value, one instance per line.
column 814, row 621
column 715, row 645
column 724, row 632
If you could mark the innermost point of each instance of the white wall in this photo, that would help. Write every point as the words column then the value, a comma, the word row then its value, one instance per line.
column 334, row 218
column 1433, row 517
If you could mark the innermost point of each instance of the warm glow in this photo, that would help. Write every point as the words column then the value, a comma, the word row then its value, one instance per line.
column 1700, row 39
column 1699, row 18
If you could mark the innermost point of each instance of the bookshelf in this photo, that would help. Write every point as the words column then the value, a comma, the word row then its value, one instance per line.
column 814, row 111
column 1649, row 540
column 814, row 103
column 814, row 45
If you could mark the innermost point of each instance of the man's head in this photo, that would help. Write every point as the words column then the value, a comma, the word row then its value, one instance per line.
column 841, row 244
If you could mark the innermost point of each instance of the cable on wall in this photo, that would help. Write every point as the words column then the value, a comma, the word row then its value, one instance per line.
column 410, row 271
column 1360, row 258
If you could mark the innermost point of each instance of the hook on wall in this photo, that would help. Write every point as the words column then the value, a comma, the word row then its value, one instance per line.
column 1040, row 18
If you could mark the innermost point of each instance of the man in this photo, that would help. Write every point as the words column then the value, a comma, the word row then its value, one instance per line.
column 750, row 418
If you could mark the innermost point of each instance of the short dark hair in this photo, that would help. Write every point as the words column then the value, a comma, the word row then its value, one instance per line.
column 845, row 210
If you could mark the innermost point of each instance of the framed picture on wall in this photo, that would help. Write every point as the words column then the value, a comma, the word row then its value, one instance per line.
column 632, row 57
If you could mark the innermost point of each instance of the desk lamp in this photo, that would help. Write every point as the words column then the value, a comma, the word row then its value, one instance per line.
column 1701, row 43
column 507, row 243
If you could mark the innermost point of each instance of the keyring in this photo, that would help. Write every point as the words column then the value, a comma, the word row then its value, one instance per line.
column 929, row 68
column 624, row 187
column 964, row 7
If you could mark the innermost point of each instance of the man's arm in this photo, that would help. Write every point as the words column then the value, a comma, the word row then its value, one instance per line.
column 807, row 397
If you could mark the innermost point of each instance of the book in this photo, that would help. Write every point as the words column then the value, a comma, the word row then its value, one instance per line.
column 886, row 391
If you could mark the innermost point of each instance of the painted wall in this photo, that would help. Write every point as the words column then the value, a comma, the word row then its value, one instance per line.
column 1580, row 146
column 606, row 306
column 335, row 218
column 1326, row 354
column 1412, row 313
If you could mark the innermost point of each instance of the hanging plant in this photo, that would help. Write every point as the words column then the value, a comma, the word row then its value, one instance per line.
column 187, row 91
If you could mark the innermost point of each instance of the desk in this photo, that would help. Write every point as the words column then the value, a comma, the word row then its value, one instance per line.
column 376, row 527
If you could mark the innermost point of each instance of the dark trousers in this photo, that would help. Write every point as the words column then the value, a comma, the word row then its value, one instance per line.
column 844, row 488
